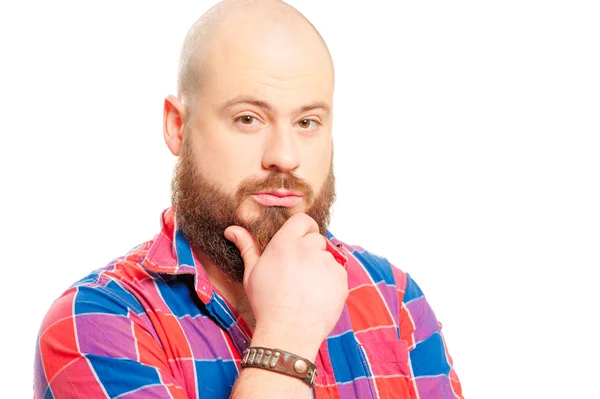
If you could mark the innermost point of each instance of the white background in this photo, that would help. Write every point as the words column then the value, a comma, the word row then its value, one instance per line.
column 467, row 153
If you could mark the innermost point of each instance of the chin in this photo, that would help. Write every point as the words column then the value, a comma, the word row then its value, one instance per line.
column 253, row 213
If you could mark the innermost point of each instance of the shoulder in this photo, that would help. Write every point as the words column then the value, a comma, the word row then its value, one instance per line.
column 115, row 289
column 81, row 327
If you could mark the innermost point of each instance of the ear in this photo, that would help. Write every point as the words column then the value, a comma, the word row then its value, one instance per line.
column 173, row 119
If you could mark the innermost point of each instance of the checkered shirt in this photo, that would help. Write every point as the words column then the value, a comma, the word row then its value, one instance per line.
column 151, row 325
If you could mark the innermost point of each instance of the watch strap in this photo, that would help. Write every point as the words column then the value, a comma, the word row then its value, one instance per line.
column 280, row 361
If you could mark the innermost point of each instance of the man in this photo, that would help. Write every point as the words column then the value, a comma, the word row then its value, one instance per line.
column 244, row 292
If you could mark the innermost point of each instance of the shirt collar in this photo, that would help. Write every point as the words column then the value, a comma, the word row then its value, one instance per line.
column 171, row 253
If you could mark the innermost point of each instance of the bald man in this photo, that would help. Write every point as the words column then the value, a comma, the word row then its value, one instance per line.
column 244, row 292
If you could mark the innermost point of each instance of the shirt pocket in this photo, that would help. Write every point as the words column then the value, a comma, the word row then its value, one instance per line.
column 387, row 363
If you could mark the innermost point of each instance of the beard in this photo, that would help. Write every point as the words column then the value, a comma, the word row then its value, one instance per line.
column 203, row 211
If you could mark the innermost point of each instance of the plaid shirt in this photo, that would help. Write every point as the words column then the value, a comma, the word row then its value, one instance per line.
column 150, row 324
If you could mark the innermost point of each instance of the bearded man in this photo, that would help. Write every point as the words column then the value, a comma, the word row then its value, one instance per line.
column 244, row 292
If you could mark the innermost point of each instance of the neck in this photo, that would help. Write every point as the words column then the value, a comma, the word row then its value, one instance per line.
column 233, row 291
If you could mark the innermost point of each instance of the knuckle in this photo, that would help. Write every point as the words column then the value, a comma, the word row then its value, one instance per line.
column 316, row 239
column 304, row 219
column 299, row 217
column 246, row 248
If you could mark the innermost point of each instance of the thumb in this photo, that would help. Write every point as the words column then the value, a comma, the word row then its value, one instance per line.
column 244, row 241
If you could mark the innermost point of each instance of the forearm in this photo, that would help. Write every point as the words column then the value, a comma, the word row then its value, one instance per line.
column 264, row 384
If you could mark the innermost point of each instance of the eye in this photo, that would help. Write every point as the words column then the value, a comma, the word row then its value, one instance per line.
column 247, row 120
column 308, row 124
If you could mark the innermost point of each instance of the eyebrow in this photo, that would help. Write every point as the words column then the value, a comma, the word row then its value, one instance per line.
column 269, row 108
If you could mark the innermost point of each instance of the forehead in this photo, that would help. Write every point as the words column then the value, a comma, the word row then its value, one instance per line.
column 283, row 70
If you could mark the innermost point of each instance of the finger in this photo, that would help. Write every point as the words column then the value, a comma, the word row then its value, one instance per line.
column 331, row 262
column 299, row 225
column 315, row 240
column 245, row 243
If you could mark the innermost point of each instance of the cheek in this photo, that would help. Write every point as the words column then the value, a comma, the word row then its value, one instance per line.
column 317, row 165
column 225, row 161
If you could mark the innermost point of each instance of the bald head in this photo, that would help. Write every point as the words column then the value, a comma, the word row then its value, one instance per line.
column 250, row 25
column 254, row 115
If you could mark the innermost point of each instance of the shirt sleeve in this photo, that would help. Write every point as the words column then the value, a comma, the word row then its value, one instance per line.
column 95, row 344
column 430, row 363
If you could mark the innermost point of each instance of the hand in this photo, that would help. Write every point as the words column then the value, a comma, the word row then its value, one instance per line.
column 296, row 288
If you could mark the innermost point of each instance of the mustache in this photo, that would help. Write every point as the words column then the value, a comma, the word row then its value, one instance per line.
column 274, row 181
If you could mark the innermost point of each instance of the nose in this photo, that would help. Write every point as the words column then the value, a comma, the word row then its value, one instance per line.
column 281, row 152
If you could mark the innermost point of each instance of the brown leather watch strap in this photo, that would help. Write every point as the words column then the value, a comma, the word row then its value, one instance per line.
column 280, row 361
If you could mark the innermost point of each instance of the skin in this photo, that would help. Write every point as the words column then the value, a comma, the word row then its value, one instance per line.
column 263, row 103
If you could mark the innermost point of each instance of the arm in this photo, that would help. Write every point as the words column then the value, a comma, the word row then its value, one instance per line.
column 91, row 344
column 431, row 365
column 297, row 290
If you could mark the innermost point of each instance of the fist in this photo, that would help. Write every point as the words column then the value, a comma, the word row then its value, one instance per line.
column 296, row 288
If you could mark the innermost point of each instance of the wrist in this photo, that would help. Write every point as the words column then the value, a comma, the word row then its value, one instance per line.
column 282, row 362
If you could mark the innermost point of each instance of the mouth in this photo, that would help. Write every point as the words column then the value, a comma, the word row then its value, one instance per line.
column 283, row 198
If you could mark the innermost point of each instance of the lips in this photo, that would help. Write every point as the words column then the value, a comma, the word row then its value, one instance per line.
column 282, row 198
